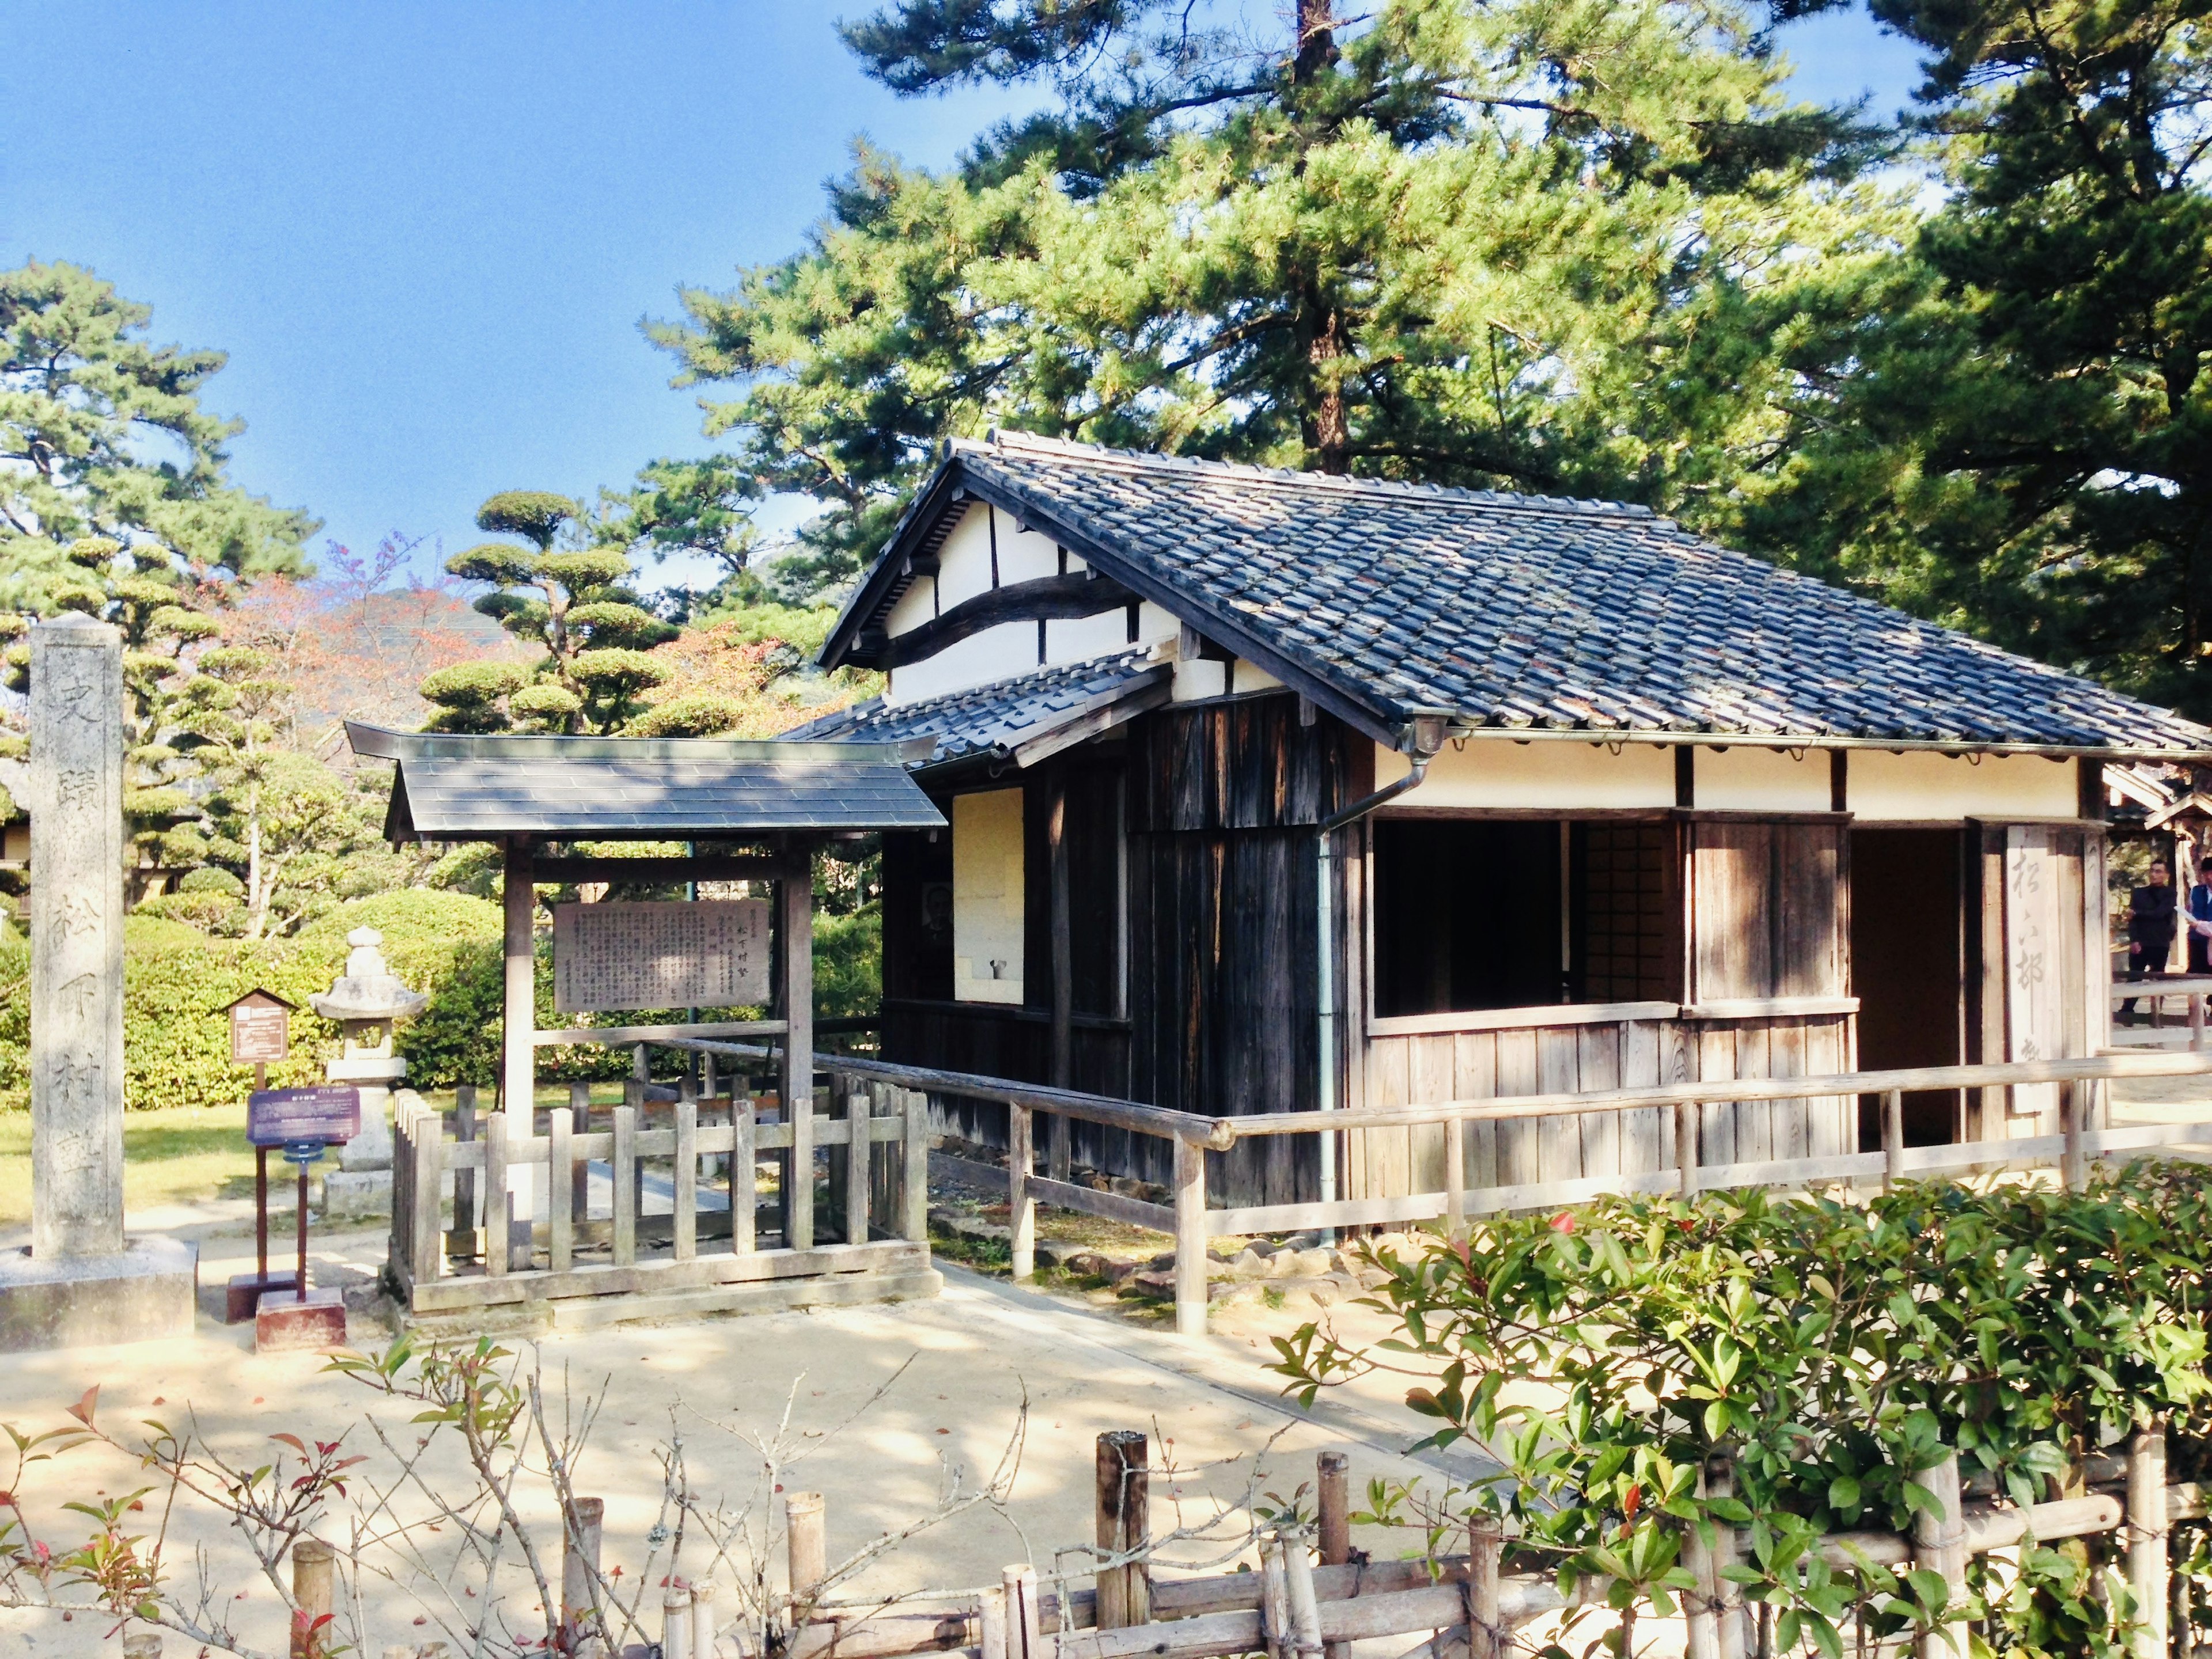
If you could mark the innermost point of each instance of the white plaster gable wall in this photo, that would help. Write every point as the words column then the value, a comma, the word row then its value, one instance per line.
column 987, row 896
column 964, row 573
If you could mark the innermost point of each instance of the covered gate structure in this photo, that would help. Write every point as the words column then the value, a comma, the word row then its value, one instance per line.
column 550, row 1214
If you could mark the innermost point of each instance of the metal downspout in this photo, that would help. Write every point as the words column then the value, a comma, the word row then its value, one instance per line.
column 1326, row 911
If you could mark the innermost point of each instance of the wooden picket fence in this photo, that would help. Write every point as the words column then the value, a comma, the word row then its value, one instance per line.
column 1312, row 1594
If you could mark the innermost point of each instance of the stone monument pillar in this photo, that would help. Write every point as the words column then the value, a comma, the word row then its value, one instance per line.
column 367, row 1002
column 81, row 1281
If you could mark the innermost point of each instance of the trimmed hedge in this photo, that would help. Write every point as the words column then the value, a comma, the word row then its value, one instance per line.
column 177, row 981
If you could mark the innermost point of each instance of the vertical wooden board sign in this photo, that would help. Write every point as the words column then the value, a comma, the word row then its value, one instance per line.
column 2033, row 1017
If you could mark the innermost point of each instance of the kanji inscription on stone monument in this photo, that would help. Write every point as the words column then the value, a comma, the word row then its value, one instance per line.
column 703, row 953
column 77, row 939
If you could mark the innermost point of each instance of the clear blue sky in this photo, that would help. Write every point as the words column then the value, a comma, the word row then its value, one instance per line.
column 425, row 232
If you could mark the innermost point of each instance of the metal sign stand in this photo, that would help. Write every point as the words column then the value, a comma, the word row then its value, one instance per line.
column 260, row 1031
column 302, row 1125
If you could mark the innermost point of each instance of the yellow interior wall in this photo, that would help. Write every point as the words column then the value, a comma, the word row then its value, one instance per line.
column 987, row 896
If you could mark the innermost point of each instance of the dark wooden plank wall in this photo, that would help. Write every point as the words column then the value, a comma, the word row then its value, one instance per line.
column 1223, row 801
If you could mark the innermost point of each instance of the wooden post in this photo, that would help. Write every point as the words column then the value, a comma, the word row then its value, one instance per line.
column 1190, row 1238
column 311, row 1576
column 1021, row 1208
column 496, row 1257
column 1124, row 1493
column 1059, row 1156
column 1024, row 1624
column 2073, row 1161
column 686, row 1231
column 745, row 1172
column 465, row 1180
column 1893, row 1140
column 518, row 1048
column 1334, row 1527
column 560, row 1190
column 2195, row 1021
column 580, row 1122
column 914, row 1182
column 860, row 1128
column 624, row 1166
column 797, row 889
column 1939, row 1543
column 2149, row 1574
column 580, row 1572
column 425, row 1180
column 1685, row 1138
column 1485, row 1550
column 807, row 1542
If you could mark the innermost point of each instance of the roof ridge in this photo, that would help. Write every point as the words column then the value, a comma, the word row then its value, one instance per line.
column 1138, row 460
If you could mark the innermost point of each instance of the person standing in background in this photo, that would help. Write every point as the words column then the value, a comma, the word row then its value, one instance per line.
column 2151, row 917
column 2200, row 920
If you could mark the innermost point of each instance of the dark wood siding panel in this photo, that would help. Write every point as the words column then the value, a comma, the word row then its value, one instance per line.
column 1243, row 765
column 917, row 956
column 1223, row 1022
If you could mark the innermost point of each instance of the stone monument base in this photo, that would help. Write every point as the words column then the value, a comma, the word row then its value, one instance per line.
column 151, row 1290
column 350, row 1194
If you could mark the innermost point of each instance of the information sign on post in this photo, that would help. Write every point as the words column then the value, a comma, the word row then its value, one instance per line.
column 328, row 1114
column 699, row 953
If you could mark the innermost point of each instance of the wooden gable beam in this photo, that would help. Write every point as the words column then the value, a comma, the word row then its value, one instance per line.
column 1056, row 599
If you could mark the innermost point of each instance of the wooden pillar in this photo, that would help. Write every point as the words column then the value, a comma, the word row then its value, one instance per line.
column 519, row 1067
column 797, row 920
column 1058, row 1157
column 1893, row 1140
column 1021, row 1208
column 1334, row 1524
column 1485, row 1550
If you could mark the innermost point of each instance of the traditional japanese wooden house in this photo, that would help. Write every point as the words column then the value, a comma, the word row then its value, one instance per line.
column 1274, row 791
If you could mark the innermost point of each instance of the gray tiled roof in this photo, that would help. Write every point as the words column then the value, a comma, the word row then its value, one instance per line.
column 992, row 718
column 464, row 788
column 1523, row 612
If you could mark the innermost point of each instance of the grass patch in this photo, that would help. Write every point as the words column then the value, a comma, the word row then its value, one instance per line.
column 171, row 1155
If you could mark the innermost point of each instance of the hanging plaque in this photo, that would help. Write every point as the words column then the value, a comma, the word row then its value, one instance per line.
column 701, row 953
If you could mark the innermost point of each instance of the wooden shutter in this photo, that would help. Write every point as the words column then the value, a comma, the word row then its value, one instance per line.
column 1769, row 910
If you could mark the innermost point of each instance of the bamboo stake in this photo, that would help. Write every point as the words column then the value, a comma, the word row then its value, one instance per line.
column 702, row 1620
column 1486, row 1629
column 312, row 1574
column 2147, row 1527
column 1305, row 1607
column 580, row 1568
column 1274, row 1598
column 991, row 1625
column 675, row 1623
column 807, row 1542
column 1024, row 1621
column 1335, row 1521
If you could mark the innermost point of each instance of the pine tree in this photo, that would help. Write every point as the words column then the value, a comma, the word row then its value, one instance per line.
column 1523, row 244
column 572, row 601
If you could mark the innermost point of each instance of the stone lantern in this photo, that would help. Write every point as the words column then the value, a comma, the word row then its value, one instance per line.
column 367, row 1001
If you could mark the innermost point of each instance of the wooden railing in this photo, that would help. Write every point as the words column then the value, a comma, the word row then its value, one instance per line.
column 2192, row 989
column 457, row 1250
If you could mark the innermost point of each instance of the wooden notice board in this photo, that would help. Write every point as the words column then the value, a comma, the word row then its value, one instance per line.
column 260, row 1028
column 701, row 953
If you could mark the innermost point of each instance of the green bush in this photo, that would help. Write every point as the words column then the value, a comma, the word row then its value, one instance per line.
column 177, row 981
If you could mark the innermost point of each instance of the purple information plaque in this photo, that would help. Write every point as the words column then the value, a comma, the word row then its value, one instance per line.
column 328, row 1113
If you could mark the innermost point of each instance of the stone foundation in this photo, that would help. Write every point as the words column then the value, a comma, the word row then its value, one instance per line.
column 149, row 1290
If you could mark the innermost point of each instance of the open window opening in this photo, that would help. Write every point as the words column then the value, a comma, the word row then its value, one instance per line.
column 1473, row 915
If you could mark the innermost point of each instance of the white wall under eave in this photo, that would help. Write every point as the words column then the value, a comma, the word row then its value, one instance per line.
column 1543, row 774
column 1921, row 786
column 996, row 653
column 1740, row 780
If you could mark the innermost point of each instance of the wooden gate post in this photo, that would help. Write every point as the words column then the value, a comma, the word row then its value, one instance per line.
column 2149, row 1574
column 580, row 1572
column 1124, row 1492
column 1939, row 1543
column 913, row 1178
column 1892, row 1141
